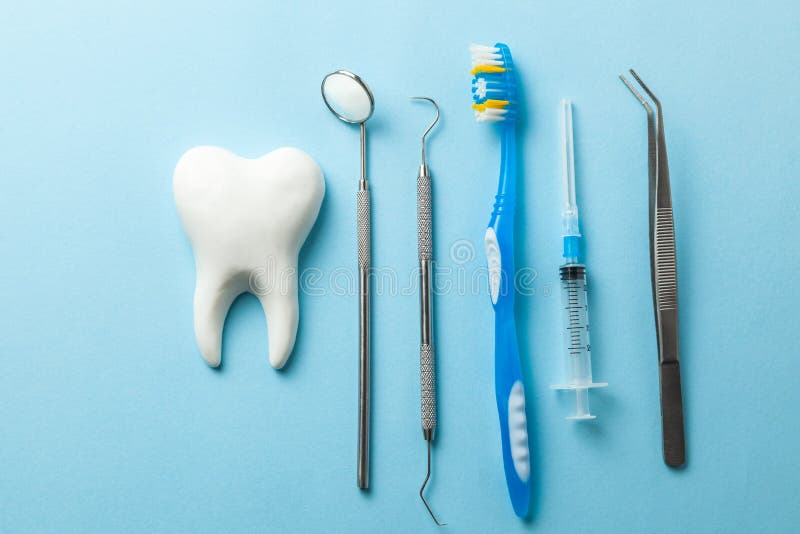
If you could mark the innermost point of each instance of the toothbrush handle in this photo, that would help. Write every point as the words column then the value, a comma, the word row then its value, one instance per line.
column 509, row 388
column 426, row 351
column 510, row 394
column 363, row 222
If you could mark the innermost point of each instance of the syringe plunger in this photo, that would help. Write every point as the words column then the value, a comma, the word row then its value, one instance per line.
column 578, row 357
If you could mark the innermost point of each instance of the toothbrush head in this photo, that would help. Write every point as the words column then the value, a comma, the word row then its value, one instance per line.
column 494, row 85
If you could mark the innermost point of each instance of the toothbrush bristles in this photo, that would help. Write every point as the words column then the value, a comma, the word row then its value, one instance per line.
column 493, row 83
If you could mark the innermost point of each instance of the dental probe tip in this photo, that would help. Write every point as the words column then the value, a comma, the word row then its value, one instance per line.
column 422, row 489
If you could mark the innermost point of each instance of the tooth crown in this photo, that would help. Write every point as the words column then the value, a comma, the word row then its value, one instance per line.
column 247, row 220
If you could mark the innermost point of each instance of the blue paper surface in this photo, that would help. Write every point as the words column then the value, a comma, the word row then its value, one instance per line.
column 110, row 421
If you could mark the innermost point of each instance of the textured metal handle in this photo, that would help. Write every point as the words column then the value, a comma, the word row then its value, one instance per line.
column 424, row 229
column 364, row 337
column 426, row 352
column 666, row 286
column 428, row 381
column 666, row 264
column 666, row 290
column 363, row 229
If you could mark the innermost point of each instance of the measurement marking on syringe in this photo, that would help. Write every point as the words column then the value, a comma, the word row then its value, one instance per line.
column 574, row 288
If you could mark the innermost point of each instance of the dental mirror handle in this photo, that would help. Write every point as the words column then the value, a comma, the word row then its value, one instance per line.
column 363, row 223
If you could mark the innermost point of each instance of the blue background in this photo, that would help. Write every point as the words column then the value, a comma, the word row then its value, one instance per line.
column 111, row 421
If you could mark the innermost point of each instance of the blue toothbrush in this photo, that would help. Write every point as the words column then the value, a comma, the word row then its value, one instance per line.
column 494, row 95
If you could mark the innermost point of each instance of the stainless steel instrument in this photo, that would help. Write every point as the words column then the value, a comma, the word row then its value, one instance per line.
column 426, row 351
column 664, row 280
column 350, row 99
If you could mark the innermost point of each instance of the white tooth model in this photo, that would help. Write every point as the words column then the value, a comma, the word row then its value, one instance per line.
column 246, row 220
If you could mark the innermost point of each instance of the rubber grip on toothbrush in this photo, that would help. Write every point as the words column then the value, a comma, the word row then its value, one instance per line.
column 510, row 393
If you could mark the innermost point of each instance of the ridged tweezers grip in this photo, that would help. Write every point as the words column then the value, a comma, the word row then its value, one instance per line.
column 363, row 228
column 666, row 265
column 424, row 245
column 428, row 381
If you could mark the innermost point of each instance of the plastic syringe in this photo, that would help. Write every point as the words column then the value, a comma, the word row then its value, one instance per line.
column 574, row 290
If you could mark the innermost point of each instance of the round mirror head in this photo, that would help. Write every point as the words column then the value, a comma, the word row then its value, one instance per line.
column 347, row 96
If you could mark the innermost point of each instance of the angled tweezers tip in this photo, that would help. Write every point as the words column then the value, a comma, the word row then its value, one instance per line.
column 633, row 90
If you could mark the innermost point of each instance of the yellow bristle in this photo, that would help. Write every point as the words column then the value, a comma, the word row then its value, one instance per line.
column 487, row 69
column 495, row 104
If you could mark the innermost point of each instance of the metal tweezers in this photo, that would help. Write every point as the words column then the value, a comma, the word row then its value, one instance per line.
column 664, row 279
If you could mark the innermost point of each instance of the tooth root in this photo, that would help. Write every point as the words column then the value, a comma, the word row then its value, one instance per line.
column 282, row 312
column 212, row 300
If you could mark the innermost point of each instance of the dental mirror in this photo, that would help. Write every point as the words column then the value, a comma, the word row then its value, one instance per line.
column 349, row 98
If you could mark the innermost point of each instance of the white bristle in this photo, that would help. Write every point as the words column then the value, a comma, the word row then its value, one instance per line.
column 487, row 60
column 491, row 115
column 485, row 55
column 480, row 87
column 482, row 48
column 477, row 62
column 489, row 118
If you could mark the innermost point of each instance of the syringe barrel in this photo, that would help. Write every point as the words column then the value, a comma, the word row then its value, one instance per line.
column 578, row 361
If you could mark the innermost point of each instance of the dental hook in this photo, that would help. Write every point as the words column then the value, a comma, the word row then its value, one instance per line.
column 432, row 101
column 426, row 349
column 422, row 489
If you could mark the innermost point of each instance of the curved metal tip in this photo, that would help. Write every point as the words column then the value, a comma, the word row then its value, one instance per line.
column 422, row 489
column 432, row 101
column 644, row 86
column 633, row 90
